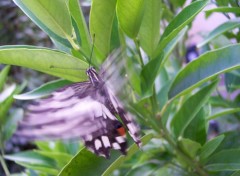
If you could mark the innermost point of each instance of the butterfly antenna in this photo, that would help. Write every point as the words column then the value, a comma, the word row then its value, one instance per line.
column 90, row 59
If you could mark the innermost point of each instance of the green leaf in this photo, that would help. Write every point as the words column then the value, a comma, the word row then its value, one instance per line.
column 179, row 22
column 232, row 80
column 84, row 162
column 232, row 136
column 237, row 173
column 190, row 108
column 77, row 15
column 187, row 144
column 7, row 103
column 210, row 147
column 101, row 21
column 59, row 146
column 229, row 25
column 223, row 112
column 226, row 160
column 51, row 16
column 130, row 14
column 225, row 9
column 42, row 169
column 45, row 60
column 169, row 170
column 31, row 157
column 148, row 75
column 43, row 90
column 144, row 169
column 149, row 33
column 11, row 123
column 205, row 68
column 3, row 76
column 197, row 130
column 132, row 150
column 60, row 158
column 115, row 42
column 154, row 66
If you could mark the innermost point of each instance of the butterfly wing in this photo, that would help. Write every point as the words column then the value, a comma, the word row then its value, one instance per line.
column 126, row 118
column 111, row 70
column 74, row 112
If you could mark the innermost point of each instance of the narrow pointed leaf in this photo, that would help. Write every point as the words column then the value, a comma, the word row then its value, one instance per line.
column 210, row 147
column 190, row 108
column 179, row 22
column 229, row 25
column 224, row 9
column 205, row 68
column 223, row 112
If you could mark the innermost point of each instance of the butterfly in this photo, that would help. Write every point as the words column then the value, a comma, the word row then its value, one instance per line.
column 88, row 110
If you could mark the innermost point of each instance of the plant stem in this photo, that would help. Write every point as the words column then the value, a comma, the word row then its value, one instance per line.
column 4, row 166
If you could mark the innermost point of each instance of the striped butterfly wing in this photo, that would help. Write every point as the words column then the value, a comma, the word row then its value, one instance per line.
column 87, row 110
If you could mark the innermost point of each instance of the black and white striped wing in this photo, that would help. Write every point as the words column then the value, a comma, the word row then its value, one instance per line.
column 74, row 112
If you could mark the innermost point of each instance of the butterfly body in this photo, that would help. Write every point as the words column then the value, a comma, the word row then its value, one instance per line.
column 88, row 110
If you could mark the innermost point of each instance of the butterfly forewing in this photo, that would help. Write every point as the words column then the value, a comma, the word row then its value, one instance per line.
column 87, row 110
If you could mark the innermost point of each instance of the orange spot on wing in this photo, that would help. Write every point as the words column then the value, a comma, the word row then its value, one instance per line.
column 121, row 131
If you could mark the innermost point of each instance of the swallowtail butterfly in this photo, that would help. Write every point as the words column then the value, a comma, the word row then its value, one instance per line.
column 88, row 110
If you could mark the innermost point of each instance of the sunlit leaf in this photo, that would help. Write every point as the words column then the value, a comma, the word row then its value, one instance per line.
column 101, row 20
column 45, row 60
column 130, row 15
column 149, row 33
column 51, row 16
